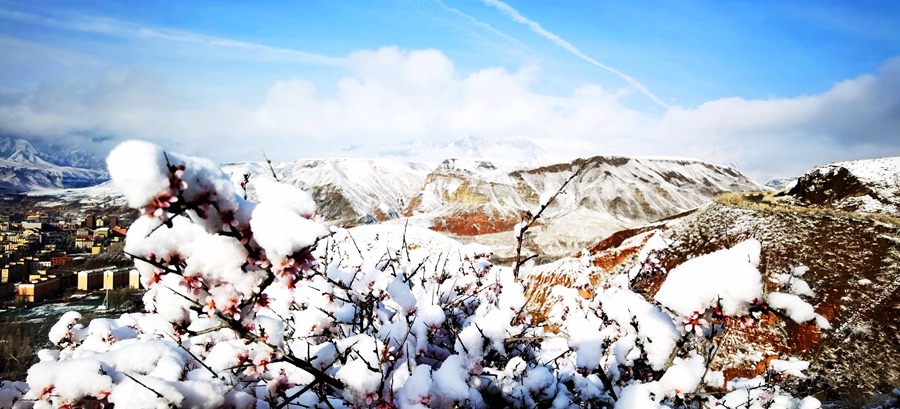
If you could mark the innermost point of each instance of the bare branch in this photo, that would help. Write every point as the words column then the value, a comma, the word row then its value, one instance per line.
column 520, row 237
column 271, row 169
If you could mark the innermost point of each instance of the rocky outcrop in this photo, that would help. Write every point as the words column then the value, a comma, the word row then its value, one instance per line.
column 471, row 197
column 854, row 270
column 829, row 185
column 869, row 186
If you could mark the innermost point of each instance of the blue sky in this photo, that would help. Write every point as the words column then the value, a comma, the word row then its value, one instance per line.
column 773, row 87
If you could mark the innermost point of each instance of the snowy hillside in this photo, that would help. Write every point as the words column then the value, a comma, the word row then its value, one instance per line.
column 474, row 197
column 471, row 197
column 100, row 195
column 851, row 263
column 347, row 191
column 467, row 197
column 781, row 183
column 23, row 167
column 869, row 186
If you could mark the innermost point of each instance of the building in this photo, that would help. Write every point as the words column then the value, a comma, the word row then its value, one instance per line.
column 29, row 236
column 40, row 217
column 39, row 290
column 115, row 279
column 32, row 225
column 84, row 239
column 7, row 290
column 59, row 260
column 117, row 234
column 90, row 280
column 67, row 279
column 35, row 266
column 134, row 279
column 13, row 272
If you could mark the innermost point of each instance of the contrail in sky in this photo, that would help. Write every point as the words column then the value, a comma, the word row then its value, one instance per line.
column 481, row 24
column 534, row 26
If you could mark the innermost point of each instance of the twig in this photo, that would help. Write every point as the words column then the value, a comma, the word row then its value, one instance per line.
column 288, row 399
column 520, row 237
column 271, row 169
column 171, row 405
column 405, row 225
column 197, row 359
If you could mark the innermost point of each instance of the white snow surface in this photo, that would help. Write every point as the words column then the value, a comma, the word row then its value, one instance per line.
column 609, row 194
column 729, row 276
column 881, row 171
column 796, row 308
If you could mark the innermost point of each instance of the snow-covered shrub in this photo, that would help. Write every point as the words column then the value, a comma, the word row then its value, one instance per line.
column 254, row 305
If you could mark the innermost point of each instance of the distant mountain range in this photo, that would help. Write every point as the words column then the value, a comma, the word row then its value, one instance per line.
column 480, row 200
column 473, row 197
column 781, row 183
column 24, row 167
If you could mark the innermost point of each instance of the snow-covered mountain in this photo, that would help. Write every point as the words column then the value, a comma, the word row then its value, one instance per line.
column 483, row 200
column 780, row 184
column 475, row 197
column 347, row 191
column 868, row 186
column 24, row 167
column 469, row 147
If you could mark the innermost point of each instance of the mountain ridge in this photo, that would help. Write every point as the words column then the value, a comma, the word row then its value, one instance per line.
column 485, row 199
column 469, row 197
column 24, row 167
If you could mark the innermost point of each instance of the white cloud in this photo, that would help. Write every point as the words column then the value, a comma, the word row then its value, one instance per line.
column 123, row 29
column 391, row 95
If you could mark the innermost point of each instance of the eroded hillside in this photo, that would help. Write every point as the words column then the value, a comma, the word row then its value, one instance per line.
column 854, row 270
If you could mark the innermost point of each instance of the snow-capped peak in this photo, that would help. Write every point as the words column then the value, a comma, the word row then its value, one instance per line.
column 24, row 167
